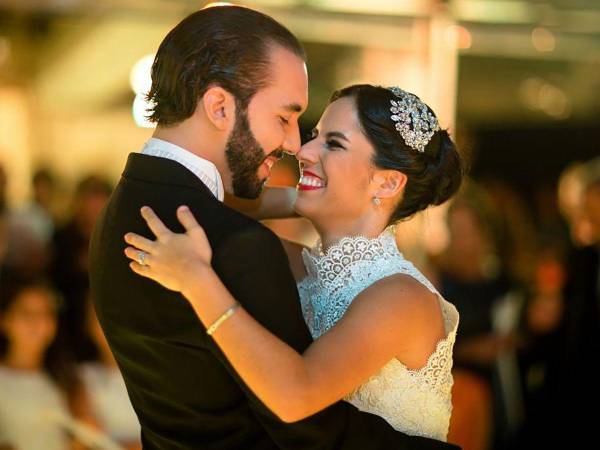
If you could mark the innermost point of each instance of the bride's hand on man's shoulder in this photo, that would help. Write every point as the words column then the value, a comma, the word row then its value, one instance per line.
column 172, row 258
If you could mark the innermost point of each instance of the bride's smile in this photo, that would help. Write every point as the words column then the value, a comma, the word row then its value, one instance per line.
column 310, row 181
column 335, row 165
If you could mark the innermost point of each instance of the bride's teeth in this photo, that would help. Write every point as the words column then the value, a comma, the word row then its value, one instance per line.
column 311, row 181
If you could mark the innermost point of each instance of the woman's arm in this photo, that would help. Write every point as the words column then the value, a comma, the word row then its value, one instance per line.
column 396, row 317
column 274, row 203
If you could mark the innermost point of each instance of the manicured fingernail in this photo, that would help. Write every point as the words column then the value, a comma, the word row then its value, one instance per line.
column 183, row 208
column 144, row 209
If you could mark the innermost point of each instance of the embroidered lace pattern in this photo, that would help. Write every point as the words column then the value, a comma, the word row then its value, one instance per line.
column 416, row 402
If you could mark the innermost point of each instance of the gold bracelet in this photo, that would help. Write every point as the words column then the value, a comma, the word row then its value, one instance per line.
column 226, row 315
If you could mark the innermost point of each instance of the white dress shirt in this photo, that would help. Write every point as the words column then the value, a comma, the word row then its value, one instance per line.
column 205, row 170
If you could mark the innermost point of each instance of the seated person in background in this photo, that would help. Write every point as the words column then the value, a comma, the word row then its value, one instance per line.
column 38, row 387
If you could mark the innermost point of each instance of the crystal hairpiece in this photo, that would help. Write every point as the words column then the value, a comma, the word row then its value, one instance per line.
column 414, row 121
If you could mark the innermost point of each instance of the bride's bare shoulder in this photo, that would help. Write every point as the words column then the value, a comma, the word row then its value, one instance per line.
column 415, row 313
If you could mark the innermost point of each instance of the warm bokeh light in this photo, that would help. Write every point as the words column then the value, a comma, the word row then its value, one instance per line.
column 553, row 101
column 464, row 38
column 543, row 39
column 459, row 35
column 538, row 94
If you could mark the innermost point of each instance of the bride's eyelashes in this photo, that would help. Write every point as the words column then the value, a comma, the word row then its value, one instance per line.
column 332, row 144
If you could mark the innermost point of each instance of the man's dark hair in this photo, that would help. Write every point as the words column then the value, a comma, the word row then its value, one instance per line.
column 223, row 45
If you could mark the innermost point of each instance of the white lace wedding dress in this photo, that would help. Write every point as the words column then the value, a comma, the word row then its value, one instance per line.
column 416, row 402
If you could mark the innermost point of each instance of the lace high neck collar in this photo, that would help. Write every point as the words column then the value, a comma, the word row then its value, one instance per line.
column 350, row 250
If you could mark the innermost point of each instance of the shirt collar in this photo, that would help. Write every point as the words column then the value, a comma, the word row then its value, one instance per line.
column 205, row 170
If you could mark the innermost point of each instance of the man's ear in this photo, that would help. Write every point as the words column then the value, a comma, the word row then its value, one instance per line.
column 219, row 107
column 389, row 183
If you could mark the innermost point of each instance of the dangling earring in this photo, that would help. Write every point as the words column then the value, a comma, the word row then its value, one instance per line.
column 376, row 201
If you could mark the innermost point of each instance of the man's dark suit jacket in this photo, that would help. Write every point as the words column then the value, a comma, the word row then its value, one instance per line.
column 184, row 391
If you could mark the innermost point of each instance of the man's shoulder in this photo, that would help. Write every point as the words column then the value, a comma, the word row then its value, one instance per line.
column 223, row 225
column 237, row 229
column 207, row 209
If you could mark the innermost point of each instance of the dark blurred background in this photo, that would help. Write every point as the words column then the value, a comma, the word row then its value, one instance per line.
column 517, row 251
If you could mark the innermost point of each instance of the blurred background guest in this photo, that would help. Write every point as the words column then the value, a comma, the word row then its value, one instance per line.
column 69, row 267
column 562, row 323
column 38, row 215
column 38, row 383
column 471, row 274
column 578, row 334
column 30, row 228
column 3, row 246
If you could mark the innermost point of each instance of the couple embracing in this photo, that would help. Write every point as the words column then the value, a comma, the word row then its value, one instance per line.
column 231, row 338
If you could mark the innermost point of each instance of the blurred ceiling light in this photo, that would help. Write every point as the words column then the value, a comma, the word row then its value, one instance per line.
column 543, row 39
column 4, row 50
column 140, row 77
column 213, row 4
column 140, row 111
column 460, row 36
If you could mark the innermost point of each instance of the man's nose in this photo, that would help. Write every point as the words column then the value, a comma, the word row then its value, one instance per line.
column 292, row 140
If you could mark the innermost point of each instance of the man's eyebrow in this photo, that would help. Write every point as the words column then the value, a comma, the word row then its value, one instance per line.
column 293, row 107
column 337, row 134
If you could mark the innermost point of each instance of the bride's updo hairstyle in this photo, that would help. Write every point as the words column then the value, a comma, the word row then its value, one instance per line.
column 434, row 170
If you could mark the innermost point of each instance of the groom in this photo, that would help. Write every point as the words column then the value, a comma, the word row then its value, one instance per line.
column 228, row 85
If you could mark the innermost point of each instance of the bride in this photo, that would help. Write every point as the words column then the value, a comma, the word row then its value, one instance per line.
column 383, row 334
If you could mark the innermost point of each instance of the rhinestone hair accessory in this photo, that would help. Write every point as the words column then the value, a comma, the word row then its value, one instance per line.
column 414, row 121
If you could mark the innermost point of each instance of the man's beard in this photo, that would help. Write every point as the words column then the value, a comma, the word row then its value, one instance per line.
column 244, row 157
